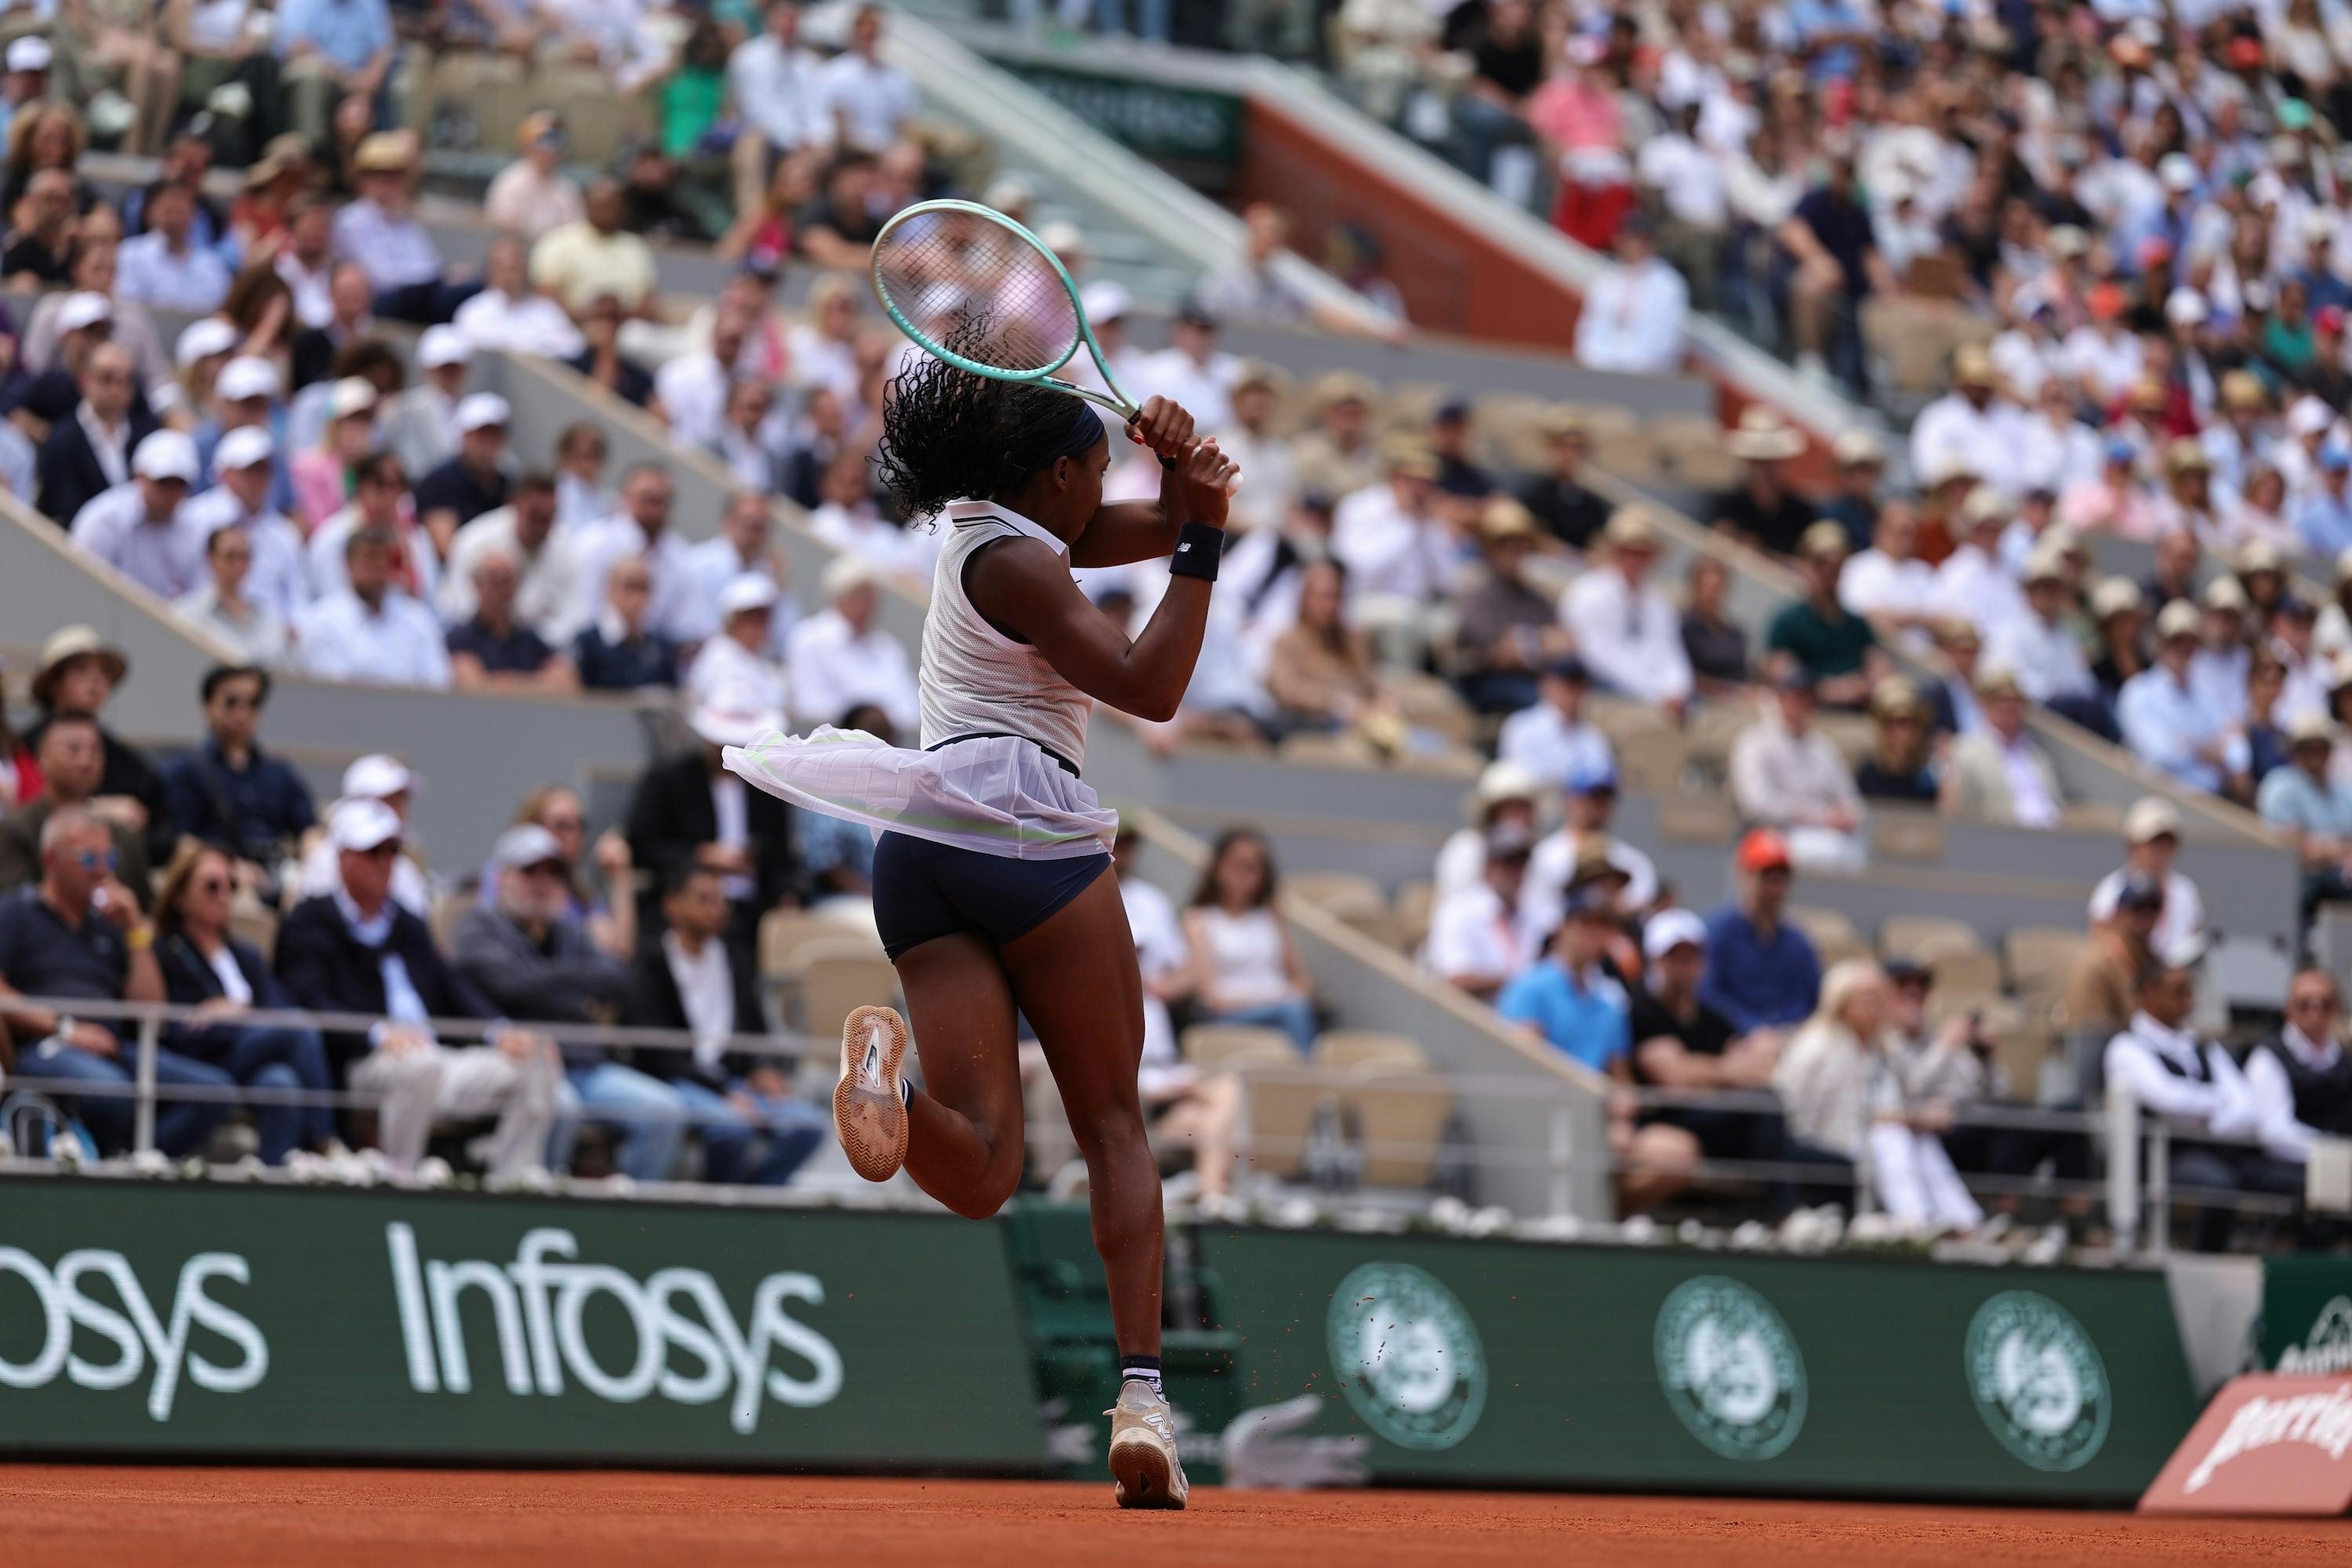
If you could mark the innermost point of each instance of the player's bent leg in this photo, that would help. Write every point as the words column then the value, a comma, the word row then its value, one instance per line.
column 963, row 1126
column 869, row 1107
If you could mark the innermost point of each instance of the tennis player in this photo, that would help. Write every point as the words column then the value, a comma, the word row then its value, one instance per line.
column 991, row 871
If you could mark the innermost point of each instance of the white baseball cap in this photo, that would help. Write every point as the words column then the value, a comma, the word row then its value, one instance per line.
column 1670, row 929
column 2151, row 816
column 353, row 395
column 481, row 411
column 247, row 376
column 203, row 339
column 2307, row 417
column 443, row 345
column 243, row 448
column 847, row 573
column 166, row 455
column 1105, row 301
column 376, row 776
column 83, row 309
column 29, row 55
column 746, row 591
column 362, row 825
column 527, row 844
column 2178, row 170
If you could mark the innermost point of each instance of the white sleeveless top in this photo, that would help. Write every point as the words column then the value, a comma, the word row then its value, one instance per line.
column 1245, row 953
column 974, row 679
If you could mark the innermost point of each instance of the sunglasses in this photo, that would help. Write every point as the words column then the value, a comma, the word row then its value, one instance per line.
column 211, row 885
column 94, row 859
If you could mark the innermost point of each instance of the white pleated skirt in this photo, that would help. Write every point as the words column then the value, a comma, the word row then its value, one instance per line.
column 998, row 794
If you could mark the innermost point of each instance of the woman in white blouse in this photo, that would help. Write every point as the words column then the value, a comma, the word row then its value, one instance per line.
column 1244, row 969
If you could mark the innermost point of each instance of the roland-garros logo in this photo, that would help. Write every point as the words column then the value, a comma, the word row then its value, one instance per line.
column 2328, row 1347
column 2322, row 1420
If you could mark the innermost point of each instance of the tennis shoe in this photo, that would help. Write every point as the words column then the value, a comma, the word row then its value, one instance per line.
column 869, row 1104
column 1144, row 1467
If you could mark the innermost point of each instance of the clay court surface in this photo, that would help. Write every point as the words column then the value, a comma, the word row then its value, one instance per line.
column 90, row 1516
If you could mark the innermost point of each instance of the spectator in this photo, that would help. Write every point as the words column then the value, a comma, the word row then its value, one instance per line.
column 72, row 754
column 532, row 194
column 1321, row 672
column 2194, row 1084
column 871, row 101
column 420, row 424
column 360, row 950
column 494, row 650
column 526, row 954
column 694, row 386
column 78, row 934
column 372, row 630
column 79, row 673
column 40, row 234
column 1763, row 509
column 231, row 794
column 1787, row 775
column 750, row 438
column 1901, row 767
column 1972, row 426
column 2315, row 807
column 222, row 607
column 596, row 256
column 1587, row 802
column 837, row 230
column 243, row 501
column 1998, row 773
column 1573, row 1003
column 349, row 321
column 328, row 49
column 2225, row 660
column 1843, row 1097
column 839, row 658
column 1838, row 651
column 1475, row 942
column 2098, row 998
column 1244, row 969
column 692, row 981
column 1338, row 457
column 1191, row 370
column 473, row 481
column 80, row 322
column 381, row 232
column 689, row 810
column 1974, row 582
column 1508, row 629
column 838, row 854
column 1507, row 793
column 524, row 531
column 581, row 453
column 1625, row 629
column 1760, row 970
column 1569, row 511
column 850, row 522
column 1888, row 584
column 779, row 88
column 737, row 658
column 20, row 774
column 511, row 315
column 745, row 544
column 1392, row 537
column 1861, row 478
column 1632, row 317
column 611, row 918
column 1459, row 478
column 206, row 968
column 165, row 267
column 2322, row 516
column 2040, row 647
column 89, row 451
column 382, row 777
column 1552, row 737
column 1714, row 646
column 2116, row 615
column 642, row 528
column 2299, row 1078
column 136, row 528
column 617, row 651
column 326, row 475
column 1253, row 288
column 1681, row 1046
column 2164, row 722
column 306, row 261
column 2151, row 843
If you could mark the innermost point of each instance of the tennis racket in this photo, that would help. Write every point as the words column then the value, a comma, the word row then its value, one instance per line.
column 951, row 271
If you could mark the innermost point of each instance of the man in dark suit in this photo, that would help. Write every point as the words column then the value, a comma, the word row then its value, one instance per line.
column 691, row 979
column 316, row 348
column 89, row 451
column 691, row 811
column 360, row 952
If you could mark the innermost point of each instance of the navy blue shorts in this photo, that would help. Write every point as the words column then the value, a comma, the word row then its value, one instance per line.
column 923, row 889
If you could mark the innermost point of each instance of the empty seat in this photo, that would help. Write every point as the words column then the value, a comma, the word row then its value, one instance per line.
column 1342, row 751
column 1628, row 454
column 1414, row 901
column 1697, row 819
column 1902, row 935
column 1213, row 1047
column 1621, row 717
column 1901, row 834
column 1348, row 1050
column 1651, row 761
column 783, row 930
column 1382, row 926
column 1398, row 1119
column 831, row 976
column 2039, row 957
column 1280, row 1103
column 1960, row 963
column 1340, row 893
column 1835, row 936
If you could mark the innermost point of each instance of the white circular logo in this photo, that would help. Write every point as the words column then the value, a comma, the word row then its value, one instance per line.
column 2038, row 1381
column 1408, row 1355
column 1730, row 1368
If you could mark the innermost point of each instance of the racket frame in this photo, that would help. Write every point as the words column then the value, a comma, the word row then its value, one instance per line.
column 1116, row 400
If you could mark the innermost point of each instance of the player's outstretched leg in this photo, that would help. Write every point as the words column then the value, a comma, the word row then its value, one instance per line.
column 1075, row 979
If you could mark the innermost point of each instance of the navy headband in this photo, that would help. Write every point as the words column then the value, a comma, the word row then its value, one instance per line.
column 1086, row 428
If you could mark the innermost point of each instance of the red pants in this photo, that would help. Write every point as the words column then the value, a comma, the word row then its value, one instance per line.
column 1589, row 215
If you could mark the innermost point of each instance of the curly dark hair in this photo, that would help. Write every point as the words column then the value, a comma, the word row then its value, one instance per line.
column 946, row 433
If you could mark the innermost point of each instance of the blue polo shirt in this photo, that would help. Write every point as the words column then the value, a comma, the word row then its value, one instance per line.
column 1587, row 1018
column 1754, row 981
column 40, row 955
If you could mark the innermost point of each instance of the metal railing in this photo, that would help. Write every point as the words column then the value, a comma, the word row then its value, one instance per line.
column 2135, row 1185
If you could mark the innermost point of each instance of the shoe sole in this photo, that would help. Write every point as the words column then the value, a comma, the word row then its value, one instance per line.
column 1143, row 1473
column 872, row 1122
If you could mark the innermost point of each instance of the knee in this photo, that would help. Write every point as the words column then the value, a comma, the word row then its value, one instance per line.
column 982, row 1201
column 275, row 1075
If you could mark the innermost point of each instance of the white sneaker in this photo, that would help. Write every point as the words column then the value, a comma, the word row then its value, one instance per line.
column 1145, row 1470
column 869, row 1110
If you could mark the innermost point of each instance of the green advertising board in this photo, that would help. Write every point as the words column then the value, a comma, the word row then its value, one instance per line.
column 1509, row 1363
column 1195, row 131
column 2308, row 1315
column 182, row 1318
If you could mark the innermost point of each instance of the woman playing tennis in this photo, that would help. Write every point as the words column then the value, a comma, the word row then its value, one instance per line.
column 990, row 875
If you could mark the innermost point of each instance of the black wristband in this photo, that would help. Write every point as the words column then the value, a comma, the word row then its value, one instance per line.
column 1199, row 547
column 1168, row 464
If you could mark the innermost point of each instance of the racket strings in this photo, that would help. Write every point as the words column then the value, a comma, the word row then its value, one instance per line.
column 958, row 275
